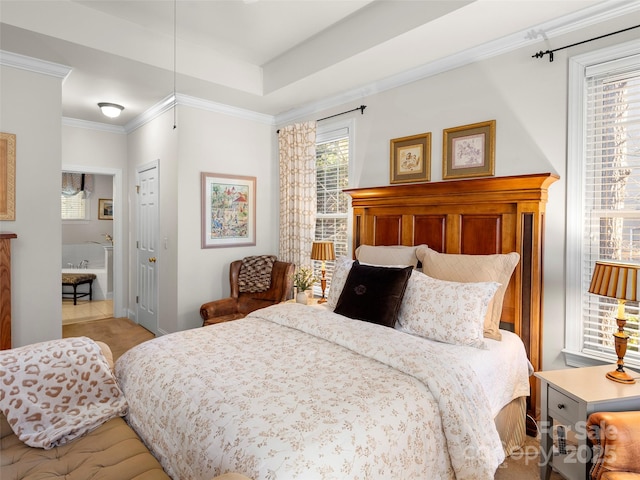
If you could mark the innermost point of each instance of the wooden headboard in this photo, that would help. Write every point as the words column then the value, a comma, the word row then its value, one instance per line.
column 479, row 216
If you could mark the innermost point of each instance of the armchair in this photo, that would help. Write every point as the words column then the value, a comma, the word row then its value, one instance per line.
column 239, row 304
column 616, row 442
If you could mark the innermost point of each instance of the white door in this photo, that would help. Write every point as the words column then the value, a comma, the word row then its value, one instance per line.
column 147, row 247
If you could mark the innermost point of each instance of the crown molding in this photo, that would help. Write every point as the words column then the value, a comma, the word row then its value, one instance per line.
column 224, row 109
column 9, row 59
column 103, row 127
column 164, row 105
column 554, row 28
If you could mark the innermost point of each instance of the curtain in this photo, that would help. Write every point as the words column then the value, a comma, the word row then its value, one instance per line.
column 73, row 183
column 297, row 147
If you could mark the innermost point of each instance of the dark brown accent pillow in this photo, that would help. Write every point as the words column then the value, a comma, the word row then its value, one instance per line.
column 373, row 293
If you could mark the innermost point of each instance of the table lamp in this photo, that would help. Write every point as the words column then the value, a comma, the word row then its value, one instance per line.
column 323, row 251
column 620, row 281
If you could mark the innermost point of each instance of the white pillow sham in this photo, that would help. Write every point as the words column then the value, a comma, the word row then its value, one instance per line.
column 387, row 255
column 445, row 311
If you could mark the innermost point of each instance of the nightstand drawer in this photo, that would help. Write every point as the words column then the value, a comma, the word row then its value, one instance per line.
column 561, row 405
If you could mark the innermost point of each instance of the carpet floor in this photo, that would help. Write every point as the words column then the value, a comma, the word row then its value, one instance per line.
column 121, row 334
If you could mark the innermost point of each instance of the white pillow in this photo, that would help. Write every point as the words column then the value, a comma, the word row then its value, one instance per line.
column 338, row 279
column 473, row 268
column 448, row 312
column 387, row 255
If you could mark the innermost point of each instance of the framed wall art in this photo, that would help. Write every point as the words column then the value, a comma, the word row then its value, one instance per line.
column 7, row 176
column 411, row 159
column 228, row 210
column 469, row 150
column 105, row 209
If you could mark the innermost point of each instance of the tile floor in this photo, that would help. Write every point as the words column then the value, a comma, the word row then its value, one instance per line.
column 85, row 310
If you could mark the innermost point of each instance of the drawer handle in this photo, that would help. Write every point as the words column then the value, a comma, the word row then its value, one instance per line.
column 560, row 406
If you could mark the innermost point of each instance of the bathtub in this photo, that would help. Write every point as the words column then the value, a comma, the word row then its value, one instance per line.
column 99, row 258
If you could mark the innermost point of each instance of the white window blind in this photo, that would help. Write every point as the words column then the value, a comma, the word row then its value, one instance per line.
column 611, row 201
column 74, row 206
column 332, row 176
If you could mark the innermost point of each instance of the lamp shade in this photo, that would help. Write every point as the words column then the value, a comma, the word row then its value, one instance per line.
column 322, row 251
column 616, row 280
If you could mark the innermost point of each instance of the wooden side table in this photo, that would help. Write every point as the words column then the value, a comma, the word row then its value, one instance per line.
column 568, row 397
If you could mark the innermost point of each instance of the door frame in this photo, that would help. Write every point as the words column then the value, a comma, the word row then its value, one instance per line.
column 119, row 308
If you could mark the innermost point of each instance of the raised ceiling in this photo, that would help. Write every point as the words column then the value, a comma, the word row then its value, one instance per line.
column 265, row 56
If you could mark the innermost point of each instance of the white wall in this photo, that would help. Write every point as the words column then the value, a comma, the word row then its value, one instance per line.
column 31, row 109
column 216, row 143
column 203, row 141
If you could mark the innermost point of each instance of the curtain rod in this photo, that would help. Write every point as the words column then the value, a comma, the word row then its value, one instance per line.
column 541, row 54
column 361, row 108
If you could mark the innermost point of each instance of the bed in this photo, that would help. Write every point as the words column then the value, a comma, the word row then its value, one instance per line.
column 313, row 392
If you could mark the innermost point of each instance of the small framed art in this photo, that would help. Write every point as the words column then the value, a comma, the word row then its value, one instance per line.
column 411, row 159
column 469, row 150
column 105, row 209
column 228, row 210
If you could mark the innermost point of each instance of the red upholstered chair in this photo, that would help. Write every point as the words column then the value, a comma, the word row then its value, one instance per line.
column 616, row 441
column 239, row 304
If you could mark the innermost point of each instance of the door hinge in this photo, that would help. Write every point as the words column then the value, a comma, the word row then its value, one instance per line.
column 137, row 188
column 136, row 298
column 137, row 243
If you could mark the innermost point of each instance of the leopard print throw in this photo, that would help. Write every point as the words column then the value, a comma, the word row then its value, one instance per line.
column 55, row 391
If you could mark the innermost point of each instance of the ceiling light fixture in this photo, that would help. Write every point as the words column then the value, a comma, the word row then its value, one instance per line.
column 111, row 110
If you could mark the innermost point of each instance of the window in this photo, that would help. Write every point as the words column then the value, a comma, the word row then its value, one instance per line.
column 74, row 207
column 333, row 152
column 603, row 198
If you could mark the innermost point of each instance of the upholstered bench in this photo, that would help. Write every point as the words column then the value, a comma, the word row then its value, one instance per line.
column 113, row 451
column 74, row 280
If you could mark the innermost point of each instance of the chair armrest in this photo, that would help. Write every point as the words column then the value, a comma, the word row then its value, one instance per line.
column 616, row 440
column 218, row 308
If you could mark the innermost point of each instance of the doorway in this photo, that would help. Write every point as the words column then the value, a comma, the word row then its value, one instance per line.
column 112, row 305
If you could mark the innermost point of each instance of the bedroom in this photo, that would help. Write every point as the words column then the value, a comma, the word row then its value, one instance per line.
column 526, row 96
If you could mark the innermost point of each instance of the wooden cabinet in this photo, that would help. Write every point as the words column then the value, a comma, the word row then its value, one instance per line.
column 5, row 289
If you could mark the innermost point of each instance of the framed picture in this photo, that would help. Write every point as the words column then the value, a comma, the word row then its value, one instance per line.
column 411, row 159
column 228, row 210
column 105, row 209
column 469, row 150
column 7, row 176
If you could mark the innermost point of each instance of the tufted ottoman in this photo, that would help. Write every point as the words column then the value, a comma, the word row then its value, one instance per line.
column 75, row 279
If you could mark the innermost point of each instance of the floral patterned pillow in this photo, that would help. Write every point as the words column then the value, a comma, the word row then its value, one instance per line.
column 338, row 279
column 448, row 312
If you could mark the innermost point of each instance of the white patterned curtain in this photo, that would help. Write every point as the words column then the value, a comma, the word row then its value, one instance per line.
column 297, row 146
column 73, row 183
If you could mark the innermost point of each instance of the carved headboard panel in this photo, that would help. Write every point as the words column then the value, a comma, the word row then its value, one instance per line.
column 479, row 216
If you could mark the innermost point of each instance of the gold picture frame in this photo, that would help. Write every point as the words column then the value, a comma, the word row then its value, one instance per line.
column 7, row 176
column 410, row 159
column 228, row 210
column 105, row 209
column 469, row 150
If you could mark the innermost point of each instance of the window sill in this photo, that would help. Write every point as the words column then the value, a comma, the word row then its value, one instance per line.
column 579, row 359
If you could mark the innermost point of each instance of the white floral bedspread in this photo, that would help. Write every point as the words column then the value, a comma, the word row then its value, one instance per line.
column 292, row 392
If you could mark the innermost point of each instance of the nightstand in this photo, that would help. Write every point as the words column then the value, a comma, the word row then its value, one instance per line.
column 567, row 398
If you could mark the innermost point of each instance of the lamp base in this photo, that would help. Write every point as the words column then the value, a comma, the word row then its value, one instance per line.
column 620, row 376
column 322, row 300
